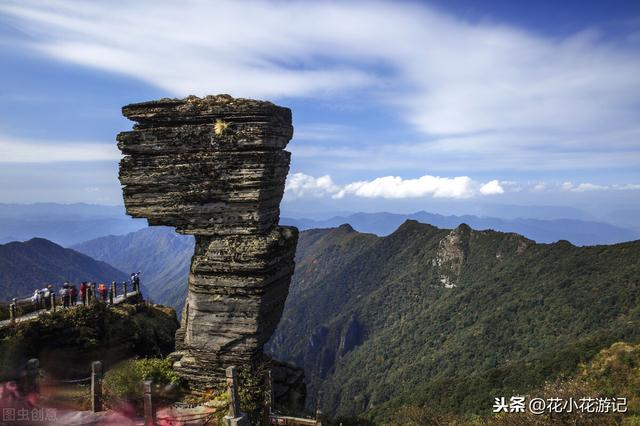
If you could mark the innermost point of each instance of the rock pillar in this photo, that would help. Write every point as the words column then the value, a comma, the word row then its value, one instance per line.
column 215, row 168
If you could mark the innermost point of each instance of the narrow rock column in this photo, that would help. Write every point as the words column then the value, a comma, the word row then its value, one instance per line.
column 215, row 168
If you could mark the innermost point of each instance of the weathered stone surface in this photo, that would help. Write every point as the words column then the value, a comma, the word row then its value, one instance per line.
column 215, row 167
column 208, row 166
column 451, row 255
column 194, row 110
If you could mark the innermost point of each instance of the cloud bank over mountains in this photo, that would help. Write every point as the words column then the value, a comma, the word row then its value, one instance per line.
column 300, row 185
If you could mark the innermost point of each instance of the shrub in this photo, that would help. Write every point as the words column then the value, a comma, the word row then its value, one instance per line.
column 124, row 382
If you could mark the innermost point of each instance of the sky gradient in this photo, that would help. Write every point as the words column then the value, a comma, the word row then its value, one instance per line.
column 396, row 105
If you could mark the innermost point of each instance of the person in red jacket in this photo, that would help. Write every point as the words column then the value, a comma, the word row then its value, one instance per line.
column 83, row 292
column 102, row 289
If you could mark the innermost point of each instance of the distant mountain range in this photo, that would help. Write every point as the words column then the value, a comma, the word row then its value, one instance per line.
column 26, row 266
column 578, row 232
column 64, row 224
column 301, row 208
column 162, row 255
column 71, row 224
column 422, row 315
column 440, row 318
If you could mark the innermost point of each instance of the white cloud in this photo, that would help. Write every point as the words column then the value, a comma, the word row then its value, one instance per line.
column 300, row 185
column 491, row 188
column 396, row 187
column 626, row 187
column 538, row 187
column 27, row 151
column 589, row 187
column 490, row 96
column 390, row 187
column 448, row 75
column 584, row 187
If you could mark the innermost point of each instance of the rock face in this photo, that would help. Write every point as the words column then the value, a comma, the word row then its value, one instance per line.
column 451, row 255
column 215, row 167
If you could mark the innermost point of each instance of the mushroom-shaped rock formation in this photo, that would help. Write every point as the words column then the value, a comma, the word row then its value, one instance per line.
column 215, row 167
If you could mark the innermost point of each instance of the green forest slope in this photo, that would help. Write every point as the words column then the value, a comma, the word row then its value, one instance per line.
column 451, row 318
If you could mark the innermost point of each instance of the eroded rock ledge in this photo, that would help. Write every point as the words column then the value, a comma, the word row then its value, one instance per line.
column 215, row 167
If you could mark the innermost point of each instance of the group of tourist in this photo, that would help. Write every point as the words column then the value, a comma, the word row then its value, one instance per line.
column 69, row 293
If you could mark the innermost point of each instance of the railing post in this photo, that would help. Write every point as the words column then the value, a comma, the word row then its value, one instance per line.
column 235, row 417
column 148, row 404
column 232, row 387
column 124, row 289
column 111, row 296
column 15, row 306
column 12, row 312
column 114, row 285
column 53, row 301
column 96, row 386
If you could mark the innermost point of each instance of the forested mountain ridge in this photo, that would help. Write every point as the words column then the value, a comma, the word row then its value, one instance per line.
column 426, row 314
column 450, row 317
column 30, row 265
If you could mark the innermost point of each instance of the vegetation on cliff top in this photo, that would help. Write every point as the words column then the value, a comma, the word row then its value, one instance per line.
column 613, row 372
column 68, row 340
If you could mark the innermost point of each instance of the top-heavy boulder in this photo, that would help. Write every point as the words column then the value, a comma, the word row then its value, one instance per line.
column 208, row 166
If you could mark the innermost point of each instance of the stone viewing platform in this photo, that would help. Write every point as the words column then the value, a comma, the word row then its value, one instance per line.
column 215, row 167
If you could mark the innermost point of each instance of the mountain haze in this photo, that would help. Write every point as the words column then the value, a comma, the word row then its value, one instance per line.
column 579, row 232
column 64, row 224
column 162, row 255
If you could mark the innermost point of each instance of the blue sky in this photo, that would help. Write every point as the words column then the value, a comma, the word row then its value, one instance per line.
column 397, row 105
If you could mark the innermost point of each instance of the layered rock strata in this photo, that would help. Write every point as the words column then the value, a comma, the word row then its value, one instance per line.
column 215, row 167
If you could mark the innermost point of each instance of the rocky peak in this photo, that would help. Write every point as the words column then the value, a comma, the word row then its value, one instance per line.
column 215, row 167
column 345, row 227
column 452, row 252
